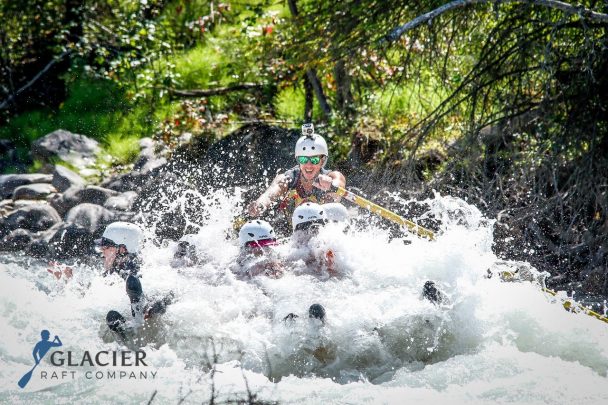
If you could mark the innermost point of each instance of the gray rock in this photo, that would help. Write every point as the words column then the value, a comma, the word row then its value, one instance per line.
column 78, row 150
column 147, row 143
column 17, row 240
column 4, row 228
column 95, row 195
column 146, row 164
column 9, row 182
column 6, row 206
column 18, row 204
column 125, row 181
column 64, row 178
column 121, row 202
column 91, row 217
column 126, row 216
column 38, row 191
column 36, row 217
column 38, row 248
column 71, row 240
column 66, row 201
column 594, row 280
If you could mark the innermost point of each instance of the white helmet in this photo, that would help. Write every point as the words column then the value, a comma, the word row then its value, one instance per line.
column 335, row 212
column 186, row 247
column 308, row 212
column 256, row 230
column 124, row 233
column 310, row 144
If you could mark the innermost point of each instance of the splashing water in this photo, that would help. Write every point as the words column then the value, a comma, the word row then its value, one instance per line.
column 381, row 343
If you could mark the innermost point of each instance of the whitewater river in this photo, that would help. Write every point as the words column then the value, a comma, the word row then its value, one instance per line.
column 496, row 342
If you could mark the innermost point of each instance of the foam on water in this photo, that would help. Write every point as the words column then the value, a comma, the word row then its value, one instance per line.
column 382, row 343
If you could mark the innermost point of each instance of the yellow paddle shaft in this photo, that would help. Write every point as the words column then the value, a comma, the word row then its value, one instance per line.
column 383, row 212
column 575, row 306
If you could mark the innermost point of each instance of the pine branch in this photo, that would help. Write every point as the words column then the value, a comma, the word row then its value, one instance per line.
column 5, row 104
column 583, row 12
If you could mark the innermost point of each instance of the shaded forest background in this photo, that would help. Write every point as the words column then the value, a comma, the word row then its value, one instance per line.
column 499, row 102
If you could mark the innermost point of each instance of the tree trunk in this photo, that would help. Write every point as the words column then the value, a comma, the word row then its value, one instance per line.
column 312, row 74
column 308, row 99
column 344, row 97
column 316, row 86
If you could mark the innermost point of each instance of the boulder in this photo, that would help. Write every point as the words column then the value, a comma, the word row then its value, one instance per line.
column 147, row 143
column 36, row 217
column 38, row 248
column 66, row 201
column 125, row 181
column 64, row 178
column 121, row 202
column 146, row 164
column 9, row 182
column 91, row 217
column 38, row 191
column 18, row 204
column 146, row 153
column 17, row 240
column 71, row 240
column 250, row 155
column 594, row 280
column 4, row 228
column 78, row 150
column 6, row 206
column 95, row 195
column 126, row 216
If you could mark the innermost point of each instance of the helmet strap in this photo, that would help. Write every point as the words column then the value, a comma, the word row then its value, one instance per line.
column 121, row 251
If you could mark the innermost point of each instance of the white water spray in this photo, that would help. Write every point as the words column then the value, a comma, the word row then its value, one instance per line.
column 382, row 343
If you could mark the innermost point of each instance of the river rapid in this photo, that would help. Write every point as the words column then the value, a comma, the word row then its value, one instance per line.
column 495, row 342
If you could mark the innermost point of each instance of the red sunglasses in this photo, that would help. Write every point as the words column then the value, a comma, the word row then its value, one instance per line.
column 261, row 243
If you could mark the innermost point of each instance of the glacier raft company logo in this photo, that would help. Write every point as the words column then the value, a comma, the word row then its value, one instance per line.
column 103, row 358
column 40, row 350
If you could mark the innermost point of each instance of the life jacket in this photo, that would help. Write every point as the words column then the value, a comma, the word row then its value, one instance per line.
column 128, row 266
column 296, row 194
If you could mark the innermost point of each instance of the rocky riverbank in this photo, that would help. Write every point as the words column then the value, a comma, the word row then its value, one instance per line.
column 59, row 212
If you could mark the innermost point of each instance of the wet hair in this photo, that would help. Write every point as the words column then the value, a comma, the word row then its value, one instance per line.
column 316, row 311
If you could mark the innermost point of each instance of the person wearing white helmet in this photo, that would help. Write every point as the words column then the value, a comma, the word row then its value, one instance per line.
column 308, row 216
column 256, row 239
column 186, row 254
column 120, row 247
column 307, row 219
column 335, row 212
column 308, row 181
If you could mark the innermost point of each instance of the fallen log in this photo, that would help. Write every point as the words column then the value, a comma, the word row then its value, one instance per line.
column 214, row 91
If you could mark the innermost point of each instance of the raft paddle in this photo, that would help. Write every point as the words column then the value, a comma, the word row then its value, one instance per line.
column 383, row 212
column 570, row 305
column 26, row 377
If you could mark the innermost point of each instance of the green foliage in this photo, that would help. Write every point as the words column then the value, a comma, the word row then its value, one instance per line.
column 93, row 108
column 120, row 149
column 289, row 104
column 462, row 71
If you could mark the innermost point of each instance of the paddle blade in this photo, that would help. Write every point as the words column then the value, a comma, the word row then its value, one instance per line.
column 25, row 379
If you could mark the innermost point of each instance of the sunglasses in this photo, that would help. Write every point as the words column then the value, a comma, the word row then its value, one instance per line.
column 312, row 159
column 311, row 225
column 182, row 249
column 261, row 243
column 105, row 242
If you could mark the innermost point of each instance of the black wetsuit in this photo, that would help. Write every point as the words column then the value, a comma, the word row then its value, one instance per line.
column 128, row 268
